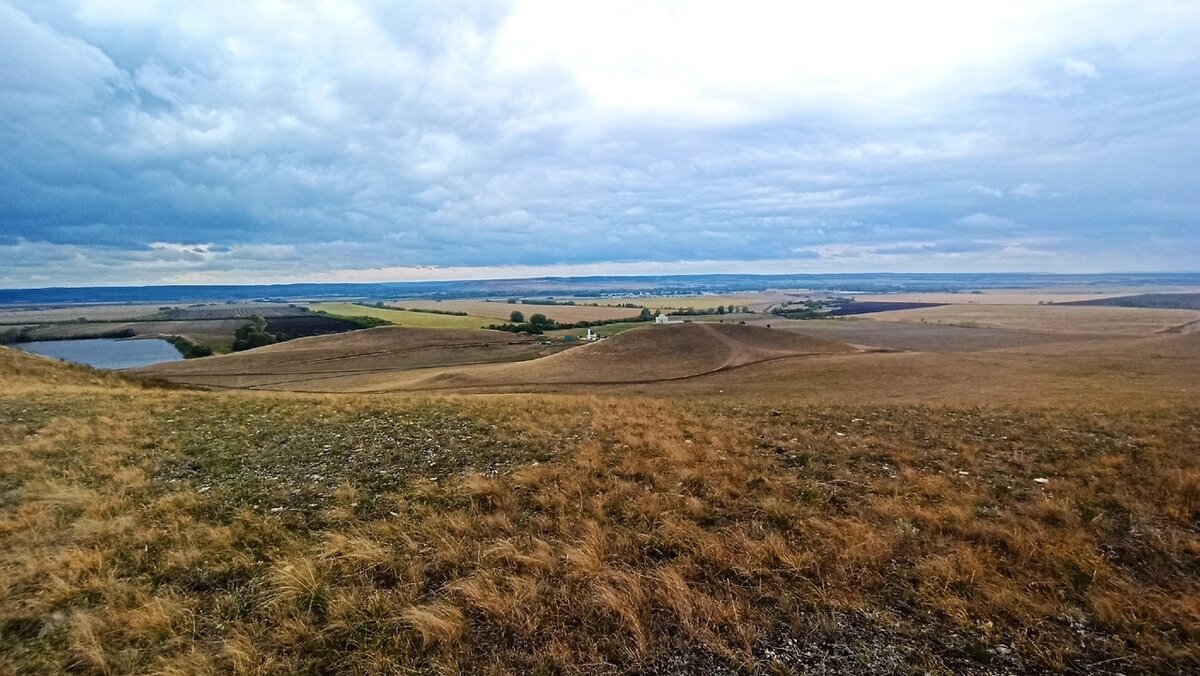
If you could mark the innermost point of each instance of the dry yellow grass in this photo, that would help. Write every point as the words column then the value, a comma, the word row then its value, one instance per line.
column 756, row 301
column 987, row 297
column 1017, row 296
column 499, row 311
column 108, row 313
column 308, row 361
column 182, row 532
column 1053, row 318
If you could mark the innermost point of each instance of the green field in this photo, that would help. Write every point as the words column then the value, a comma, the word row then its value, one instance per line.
column 426, row 320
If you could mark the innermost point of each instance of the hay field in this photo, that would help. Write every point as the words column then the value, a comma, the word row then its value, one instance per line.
column 500, row 311
column 426, row 320
column 147, row 530
column 1052, row 318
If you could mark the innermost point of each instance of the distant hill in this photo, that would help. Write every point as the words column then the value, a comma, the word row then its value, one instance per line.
column 653, row 285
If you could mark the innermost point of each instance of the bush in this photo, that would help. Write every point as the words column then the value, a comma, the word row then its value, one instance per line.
column 189, row 349
column 253, row 335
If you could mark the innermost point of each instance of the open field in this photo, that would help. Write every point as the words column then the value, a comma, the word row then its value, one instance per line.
column 853, row 361
column 155, row 530
column 1054, row 318
column 118, row 313
column 402, row 318
column 99, row 313
column 755, row 301
column 399, row 358
column 498, row 312
column 987, row 297
column 316, row 362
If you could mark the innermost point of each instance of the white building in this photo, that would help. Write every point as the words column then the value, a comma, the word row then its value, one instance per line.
column 591, row 335
column 664, row 318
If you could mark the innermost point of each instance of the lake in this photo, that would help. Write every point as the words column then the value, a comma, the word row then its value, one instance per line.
column 106, row 353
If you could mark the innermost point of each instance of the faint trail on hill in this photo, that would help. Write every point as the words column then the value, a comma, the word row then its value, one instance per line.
column 1187, row 327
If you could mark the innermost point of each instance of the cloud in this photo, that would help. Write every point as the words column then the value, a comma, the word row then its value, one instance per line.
column 317, row 138
column 984, row 190
column 1028, row 190
column 981, row 220
column 1079, row 68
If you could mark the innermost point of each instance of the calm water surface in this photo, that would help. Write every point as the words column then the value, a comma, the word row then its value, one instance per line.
column 107, row 353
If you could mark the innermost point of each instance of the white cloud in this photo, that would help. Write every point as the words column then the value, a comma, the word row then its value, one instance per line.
column 1028, row 190
column 1079, row 68
column 982, row 220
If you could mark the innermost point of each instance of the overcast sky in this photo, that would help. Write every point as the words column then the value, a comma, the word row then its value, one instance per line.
column 234, row 141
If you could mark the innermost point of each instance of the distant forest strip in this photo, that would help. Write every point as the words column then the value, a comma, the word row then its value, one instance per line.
column 540, row 323
column 1160, row 301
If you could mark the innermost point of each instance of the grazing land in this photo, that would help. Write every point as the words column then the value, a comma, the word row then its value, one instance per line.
column 96, row 313
column 1057, row 318
column 989, row 297
column 145, row 529
column 500, row 310
column 326, row 362
column 755, row 301
column 1013, row 490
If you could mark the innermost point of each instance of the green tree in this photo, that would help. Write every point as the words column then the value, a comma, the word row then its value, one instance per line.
column 516, row 317
column 720, row 309
column 646, row 315
column 252, row 335
column 539, row 319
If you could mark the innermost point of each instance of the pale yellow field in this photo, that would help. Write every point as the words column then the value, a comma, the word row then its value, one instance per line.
column 501, row 310
column 108, row 313
column 1056, row 318
column 753, row 300
column 1015, row 296
column 426, row 320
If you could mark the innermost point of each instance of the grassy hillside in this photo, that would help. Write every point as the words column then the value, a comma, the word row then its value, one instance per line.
column 173, row 531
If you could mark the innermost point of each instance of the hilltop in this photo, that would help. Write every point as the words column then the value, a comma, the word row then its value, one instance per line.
column 146, row 529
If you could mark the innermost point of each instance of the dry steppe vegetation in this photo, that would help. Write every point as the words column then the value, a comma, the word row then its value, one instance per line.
column 151, row 530
column 499, row 311
column 321, row 361
column 1048, row 318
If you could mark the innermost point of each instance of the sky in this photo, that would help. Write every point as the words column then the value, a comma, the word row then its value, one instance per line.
column 353, row 140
